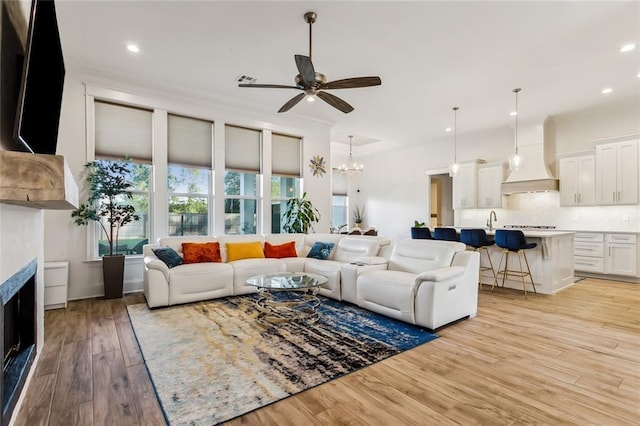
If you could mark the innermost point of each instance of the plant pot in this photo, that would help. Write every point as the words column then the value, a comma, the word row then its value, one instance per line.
column 113, row 275
column 420, row 233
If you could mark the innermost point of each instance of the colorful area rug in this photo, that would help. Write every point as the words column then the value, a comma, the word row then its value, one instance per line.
column 210, row 361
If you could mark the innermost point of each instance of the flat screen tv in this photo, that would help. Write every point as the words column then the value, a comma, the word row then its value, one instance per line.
column 38, row 113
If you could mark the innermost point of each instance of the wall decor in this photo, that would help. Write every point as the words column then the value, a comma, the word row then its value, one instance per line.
column 318, row 166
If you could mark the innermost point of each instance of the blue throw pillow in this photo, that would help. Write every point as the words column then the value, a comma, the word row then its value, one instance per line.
column 168, row 255
column 320, row 250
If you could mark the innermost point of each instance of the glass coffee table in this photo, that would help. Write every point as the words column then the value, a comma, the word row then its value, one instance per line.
column 287, row 296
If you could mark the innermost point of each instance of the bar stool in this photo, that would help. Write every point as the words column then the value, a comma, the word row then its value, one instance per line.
column 446, row 234
column 514, row 241
column 477, row 239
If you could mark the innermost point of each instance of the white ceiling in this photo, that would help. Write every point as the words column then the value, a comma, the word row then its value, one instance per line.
column 431, row 56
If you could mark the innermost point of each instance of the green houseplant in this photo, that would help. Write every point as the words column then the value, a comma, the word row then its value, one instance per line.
column 109, row 192
column 358, row 215
column 300, row 215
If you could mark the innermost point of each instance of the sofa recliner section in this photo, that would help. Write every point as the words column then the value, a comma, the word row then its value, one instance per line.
column 428, row 283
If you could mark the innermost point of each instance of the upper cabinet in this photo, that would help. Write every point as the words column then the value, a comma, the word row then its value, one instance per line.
column 578, row 181
column 464, row 187
column 617, row 173
column 489, row 187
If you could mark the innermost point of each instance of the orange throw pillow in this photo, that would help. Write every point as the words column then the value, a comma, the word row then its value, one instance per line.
column 201, row 252
column 280, row 251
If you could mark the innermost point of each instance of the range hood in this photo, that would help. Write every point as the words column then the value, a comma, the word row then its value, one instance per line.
column 536, row 148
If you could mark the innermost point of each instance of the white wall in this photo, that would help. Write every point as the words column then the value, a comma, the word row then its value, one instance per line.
column 65, row 241
column 393, row 185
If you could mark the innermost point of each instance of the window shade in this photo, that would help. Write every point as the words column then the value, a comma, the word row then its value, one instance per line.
column 190, row 141
column 286, row 155
column 242, row 149
column 339, row 186
column 123, row 131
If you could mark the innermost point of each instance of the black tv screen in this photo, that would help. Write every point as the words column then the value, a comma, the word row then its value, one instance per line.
column 38, row 113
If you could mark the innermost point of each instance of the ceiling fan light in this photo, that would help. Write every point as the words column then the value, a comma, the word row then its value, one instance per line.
column 311, row 98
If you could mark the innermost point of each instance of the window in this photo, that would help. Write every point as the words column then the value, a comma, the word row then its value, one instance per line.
column 340, row 212
column 240, row 203
column 282, row 189
column 286, row 169
column 189, row 175
column 122, row 131
column 243, row 153
column 339, row 202
column 189, row 195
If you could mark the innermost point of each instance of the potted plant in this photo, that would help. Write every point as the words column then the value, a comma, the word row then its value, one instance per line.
column 358, row 216
column 109, row 191
column 300, row 215
column 419, row 231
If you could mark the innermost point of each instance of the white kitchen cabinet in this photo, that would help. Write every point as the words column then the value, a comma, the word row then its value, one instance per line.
column 606, row 253
column 617, row 173
column 588, row 252
column 489, row 187
column 464, row 187
column 621, row 254
column 578, row 181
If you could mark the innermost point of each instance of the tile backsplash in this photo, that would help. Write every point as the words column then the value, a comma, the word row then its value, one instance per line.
column 544, row 209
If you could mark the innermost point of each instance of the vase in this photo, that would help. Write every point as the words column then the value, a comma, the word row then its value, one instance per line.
column 113, row 276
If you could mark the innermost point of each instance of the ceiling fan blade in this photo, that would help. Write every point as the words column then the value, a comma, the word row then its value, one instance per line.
column 286, row 107
column 305, row 67
column 335, row 102
column 352, row 83
column 269, row 86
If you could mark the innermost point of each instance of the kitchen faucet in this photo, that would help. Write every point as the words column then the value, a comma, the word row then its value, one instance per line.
column 489, row 221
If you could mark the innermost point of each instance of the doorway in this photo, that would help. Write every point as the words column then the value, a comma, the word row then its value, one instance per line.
column 440, row 198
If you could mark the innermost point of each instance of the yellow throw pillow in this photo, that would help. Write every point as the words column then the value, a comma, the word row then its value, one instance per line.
column 237, row 251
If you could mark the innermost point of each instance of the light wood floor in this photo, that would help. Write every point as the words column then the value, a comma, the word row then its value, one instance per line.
column 572, row 358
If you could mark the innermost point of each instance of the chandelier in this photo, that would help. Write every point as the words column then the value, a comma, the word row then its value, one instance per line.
column 350, row 167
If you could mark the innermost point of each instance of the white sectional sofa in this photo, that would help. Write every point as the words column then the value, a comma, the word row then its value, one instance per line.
column 193, row 282
column 423, row 282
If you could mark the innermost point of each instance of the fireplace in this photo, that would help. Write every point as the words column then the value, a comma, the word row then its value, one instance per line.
column 18, row 329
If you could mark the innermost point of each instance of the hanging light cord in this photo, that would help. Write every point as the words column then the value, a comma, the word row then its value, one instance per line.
column 350, row 152
column 455, row 134
column 516, row 128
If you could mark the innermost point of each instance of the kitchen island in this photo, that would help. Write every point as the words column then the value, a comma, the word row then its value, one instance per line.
column 551, row 261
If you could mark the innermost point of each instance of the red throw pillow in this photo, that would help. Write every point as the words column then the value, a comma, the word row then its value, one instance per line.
column 280, row 251
column 201, row 252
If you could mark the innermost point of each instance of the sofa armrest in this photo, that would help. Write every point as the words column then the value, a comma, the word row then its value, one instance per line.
column 441, row 274
column 370, row 260
column 152, row 262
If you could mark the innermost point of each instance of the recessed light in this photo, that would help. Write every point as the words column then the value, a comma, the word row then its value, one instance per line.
column 448, row 129
column 607, row 90
column 513, row 113
column 133, row 48
column 627, row 47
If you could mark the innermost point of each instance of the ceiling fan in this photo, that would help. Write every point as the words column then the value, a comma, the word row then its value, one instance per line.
column 313, row 83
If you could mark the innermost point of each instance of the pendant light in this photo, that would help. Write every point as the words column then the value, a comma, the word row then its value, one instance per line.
column 455, row 166
column 515, row 160
column 350, row 167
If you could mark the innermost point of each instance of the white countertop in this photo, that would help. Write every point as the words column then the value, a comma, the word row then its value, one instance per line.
column 533, row 233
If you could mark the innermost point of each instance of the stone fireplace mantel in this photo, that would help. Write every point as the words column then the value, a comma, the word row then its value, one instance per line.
column 37, row 181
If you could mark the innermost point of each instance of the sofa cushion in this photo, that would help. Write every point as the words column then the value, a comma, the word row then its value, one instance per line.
column 201, row 252
column 320, row 250
column 169, row 256
column 349, row 249
column 423, row 255
column 281, row 250
column 250, row 250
